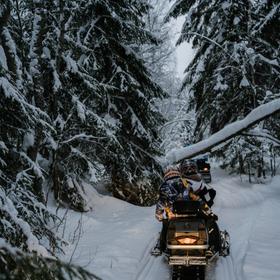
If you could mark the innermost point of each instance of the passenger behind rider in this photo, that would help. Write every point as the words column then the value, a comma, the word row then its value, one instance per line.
column 198, row 190
column 190, row 176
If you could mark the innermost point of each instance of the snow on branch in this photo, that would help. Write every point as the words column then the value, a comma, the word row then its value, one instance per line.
column 137, row 124
column 262, row 134
column 7, row 206
column 269, row 16
column 11, row 92
column 82, row 136
column 258, row 114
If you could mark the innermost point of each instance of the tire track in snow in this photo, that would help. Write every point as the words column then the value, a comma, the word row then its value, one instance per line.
column 238, row 207
column 260, row 258
column 225, row 270
column 251, row 232
column 147, row 260
column 231, row 267
column 151, row 267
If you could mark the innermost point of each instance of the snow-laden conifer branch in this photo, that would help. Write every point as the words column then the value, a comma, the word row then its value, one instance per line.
column 83, row 137
column 262, row 112
column 6, row 205
column 262, row 134
column 33, row 266
column 262, row 23
column 11, row 92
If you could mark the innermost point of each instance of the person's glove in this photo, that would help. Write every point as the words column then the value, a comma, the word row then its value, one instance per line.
column 207, row 210
column 194, row 196
column 171, row 215
column 159, row 216
column 213, row 216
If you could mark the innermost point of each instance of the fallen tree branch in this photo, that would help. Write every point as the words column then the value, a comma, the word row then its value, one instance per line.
column 258, row 114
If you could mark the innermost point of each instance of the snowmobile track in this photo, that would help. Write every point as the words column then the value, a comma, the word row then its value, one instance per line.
column 188, row 273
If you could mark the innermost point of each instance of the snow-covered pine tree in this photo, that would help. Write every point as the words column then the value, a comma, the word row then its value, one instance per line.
column 20, row 173
column 265, row 33
column 28, row 241
column 223, row 77
column 83, row 70
column 261, row 142
column 62, row 81
column 160, row 59
column 215, row 78
column 114, row 30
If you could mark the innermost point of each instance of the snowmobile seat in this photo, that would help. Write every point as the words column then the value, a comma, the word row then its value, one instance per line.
column 186, row 207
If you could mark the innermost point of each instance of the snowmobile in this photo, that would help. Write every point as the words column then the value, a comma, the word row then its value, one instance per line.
column 204, row 169
column 193, row 241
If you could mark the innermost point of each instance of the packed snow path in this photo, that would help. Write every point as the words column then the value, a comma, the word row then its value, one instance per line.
column 250, row 213
column 115, row 239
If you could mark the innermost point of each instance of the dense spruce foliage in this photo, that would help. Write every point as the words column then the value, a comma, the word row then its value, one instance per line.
column 77, row 64
column 236, row 69
column 161, row 60
column 15, row 266
column 77, row 104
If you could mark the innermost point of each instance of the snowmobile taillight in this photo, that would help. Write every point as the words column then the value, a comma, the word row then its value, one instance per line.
column 187, row 240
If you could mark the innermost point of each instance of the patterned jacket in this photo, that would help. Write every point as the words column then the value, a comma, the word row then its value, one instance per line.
column 170, row 191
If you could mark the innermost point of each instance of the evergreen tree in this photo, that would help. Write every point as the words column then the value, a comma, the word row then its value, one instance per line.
column 127, row 96
column 26, row 235
column 267, row 40
column 80, row 65
column 160, row 59
column 87, row 76
column 61, row 68
column 76, row 102
column 217, row 77
column 224, row 79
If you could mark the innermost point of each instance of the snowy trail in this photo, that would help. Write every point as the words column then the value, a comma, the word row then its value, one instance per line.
column 151, row 267
column 116, row 240
column 249, row 213
column 264, row 239
column 116, row 237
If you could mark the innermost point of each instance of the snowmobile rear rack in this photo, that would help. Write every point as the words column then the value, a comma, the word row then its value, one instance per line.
column 191, row 260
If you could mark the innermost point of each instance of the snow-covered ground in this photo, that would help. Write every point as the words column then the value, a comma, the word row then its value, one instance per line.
column 115, row 239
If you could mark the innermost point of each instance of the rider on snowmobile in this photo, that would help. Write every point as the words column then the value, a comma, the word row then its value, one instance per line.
column 171, row 189
column 174, row 188
column 190, row 176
